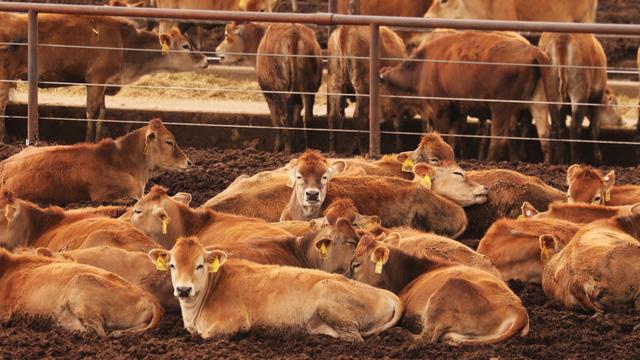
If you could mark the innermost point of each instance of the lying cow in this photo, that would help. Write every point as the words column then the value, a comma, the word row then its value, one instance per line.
column 513, row 245
column 579, row 213
column 455, row 304
column 592, row 186
column 288, row 83
column 25, row 224
column 78, row 297
column 599, row 268
column 105, row 65
column 109, row 171
column 204, row 281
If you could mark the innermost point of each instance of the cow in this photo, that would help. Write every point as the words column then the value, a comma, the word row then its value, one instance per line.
column 524, row 10
column 107, row 211
column 165, row 219
column 77, row 297
column 598, row 269
column 455, row 304
column 410, row 8
column 451, row 77
column 111, row 170
column 288, row 62
column 132, row 266
column 513, row 245
column 579, row 213
column 215, row 302
column 581, row 67
column 309, row 180
column 348, row 73
column 25, row 224
column 590, row 185
column 104, row 66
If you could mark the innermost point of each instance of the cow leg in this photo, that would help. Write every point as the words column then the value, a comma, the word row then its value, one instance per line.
column 308, row 101
column 5, row 89
column 397, row 123
column 362, row 123
column 329, row 320
column 594, row 127
column 540, row 116
column 498, row 147
column 575, row 131
column 333, row 118
column 483, row 130
column 276, row 121
column 289, row 119
column 95, row 103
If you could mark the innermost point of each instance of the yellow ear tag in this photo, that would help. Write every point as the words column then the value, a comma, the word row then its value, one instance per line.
column 161, row 264
column 290, row 182
column 544, row 255
column 242, row 5
column 146, row 149
column 426, row 182
column 379, row 267
column 521, row 217
column 323, row 251
column 215, row 265
column 164, row 227
column 407, row 165
column 607, row 196
column 165, row 48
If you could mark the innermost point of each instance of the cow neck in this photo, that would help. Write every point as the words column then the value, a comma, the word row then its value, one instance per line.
column 40, row 220
column 296, row 211
column 567, row 211
column 130, row 151
column 192, row 310
column 193, row 221
column 140, row 63
column 629, row 225
column 402, row 268
column 305, row 250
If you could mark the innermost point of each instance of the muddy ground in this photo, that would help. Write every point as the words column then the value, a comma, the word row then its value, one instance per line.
column 555, row 333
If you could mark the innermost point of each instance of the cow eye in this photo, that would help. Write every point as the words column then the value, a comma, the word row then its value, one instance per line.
column 200, row 267
column 354, row 265
column 597, row 199
column 137, row 211
column 434, row 161
column 325, row 177
column 170, row 143
column 299, row 177
column 172, row 267
column 443, row 1
column 186, row 47
column 459, row 173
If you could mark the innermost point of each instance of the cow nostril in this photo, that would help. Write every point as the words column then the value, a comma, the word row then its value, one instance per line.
column 183, row 291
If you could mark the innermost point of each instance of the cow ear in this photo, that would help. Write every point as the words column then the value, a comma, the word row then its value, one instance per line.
column 164, row 218
column 393, row 238
column 42, row 251
column 609, row 180
column 291, row 181
column 11, row 212
column 126, row 216
column 316, row 224
column 571, row 173
column 338, row 166
column 322, row 245
column 528, row 210
column 183, row 198
column 165, row 41
column 635, row 209
column 138, row 4
column 379, row 257
column 344, row 225
column 424, row 170
column 152, row 132
column 161, row 258
column 368, row 221
column 215, row 259
column 403, row 156
column 549, row 245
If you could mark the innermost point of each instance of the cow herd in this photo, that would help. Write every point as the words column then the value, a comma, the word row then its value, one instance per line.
column 345, row 247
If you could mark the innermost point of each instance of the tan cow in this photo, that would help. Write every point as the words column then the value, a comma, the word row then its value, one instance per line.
column 165, row 219
column 91, row 65
column 109, row 171
column 579, row 213
column 590, row 185
column 348, row 73
column 513, row 245
column 78, row 297
column 410, row 8
column 288, row 83
column 215, row 302
column 132, row 266
column 524, row 10
column 599, row 268
column 455, row 304
column 582, row 78
column 25, row 224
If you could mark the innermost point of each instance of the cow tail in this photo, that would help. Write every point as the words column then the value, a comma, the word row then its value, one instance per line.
column 293, row 46
column 563, row 55
column 551, row 85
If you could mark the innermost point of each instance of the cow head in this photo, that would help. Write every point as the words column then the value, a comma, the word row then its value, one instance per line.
column 240, row 39
column 528, row 211
column 309, row 180
column 589, row 185
column 178, row 54
column 550, row 245
column 448, row 9
column 161, row 150
column 451, row 182
column 609, row 114
column 159, row 215
column 346, row 209
column 432, row 150
column 13, row 226
column 368, row 262
column 329, row 247
column 191, row 266
column 258, row 5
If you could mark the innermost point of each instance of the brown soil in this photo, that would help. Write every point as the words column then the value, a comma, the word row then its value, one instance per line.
column 555, row 333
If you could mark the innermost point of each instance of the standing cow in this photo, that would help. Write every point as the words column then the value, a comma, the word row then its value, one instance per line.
column 289, row 67
column 98, row 68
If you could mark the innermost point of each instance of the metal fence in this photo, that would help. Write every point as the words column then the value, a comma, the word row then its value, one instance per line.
column 320, row 19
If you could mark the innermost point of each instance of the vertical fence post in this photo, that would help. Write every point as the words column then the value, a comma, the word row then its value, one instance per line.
column 333, row 8
column 32, row 122
column 374, row 91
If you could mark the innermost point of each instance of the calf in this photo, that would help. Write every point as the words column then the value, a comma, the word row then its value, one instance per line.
column 455, row 304
column 599, row 268
column 106, row 64
column 25, row 224
column 78, row 297
column 582, row 72
column 589, row 185
column 288, row 83
column 513, row 245
column 576, row 212
column 215, row 302
column 109, row 171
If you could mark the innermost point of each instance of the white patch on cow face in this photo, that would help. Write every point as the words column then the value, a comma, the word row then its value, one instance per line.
column 188, row 278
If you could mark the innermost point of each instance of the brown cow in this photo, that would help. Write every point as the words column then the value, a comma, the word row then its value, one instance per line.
column 450, row 78
column 288, row 83
column 348, row 73
column 410, row 8
column 215, row 302
column 78, row 297
column 599, row 268
column 589, row 185
column 513, row 245
column 525, row 10
column 579, row 213
column 165, row 219
column 92, row 66
column 25, row 224
column 455, row 304
column 132, row 266
column 582, row 72
column 111, row 170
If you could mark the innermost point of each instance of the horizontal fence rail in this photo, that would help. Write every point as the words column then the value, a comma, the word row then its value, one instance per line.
column 319, row 19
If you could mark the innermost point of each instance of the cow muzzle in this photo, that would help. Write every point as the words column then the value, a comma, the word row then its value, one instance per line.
column 184, row 291
column 312, row 196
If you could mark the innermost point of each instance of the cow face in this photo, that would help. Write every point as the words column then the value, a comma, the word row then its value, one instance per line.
column 448, row 9
column 432, row 150
column 161, row 150
column 14, row 228
column 178, row 54
column 310, row 177
column 239, row 39
column 451, row 183
column 550, row 245
column 191, row 266
column 332, row 245
column 588, row 185
column 609, row 114
column 258, row 5
column 368, row 262
column 346, row 209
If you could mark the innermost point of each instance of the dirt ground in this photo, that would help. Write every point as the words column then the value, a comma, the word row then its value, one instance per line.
column 555, row 333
